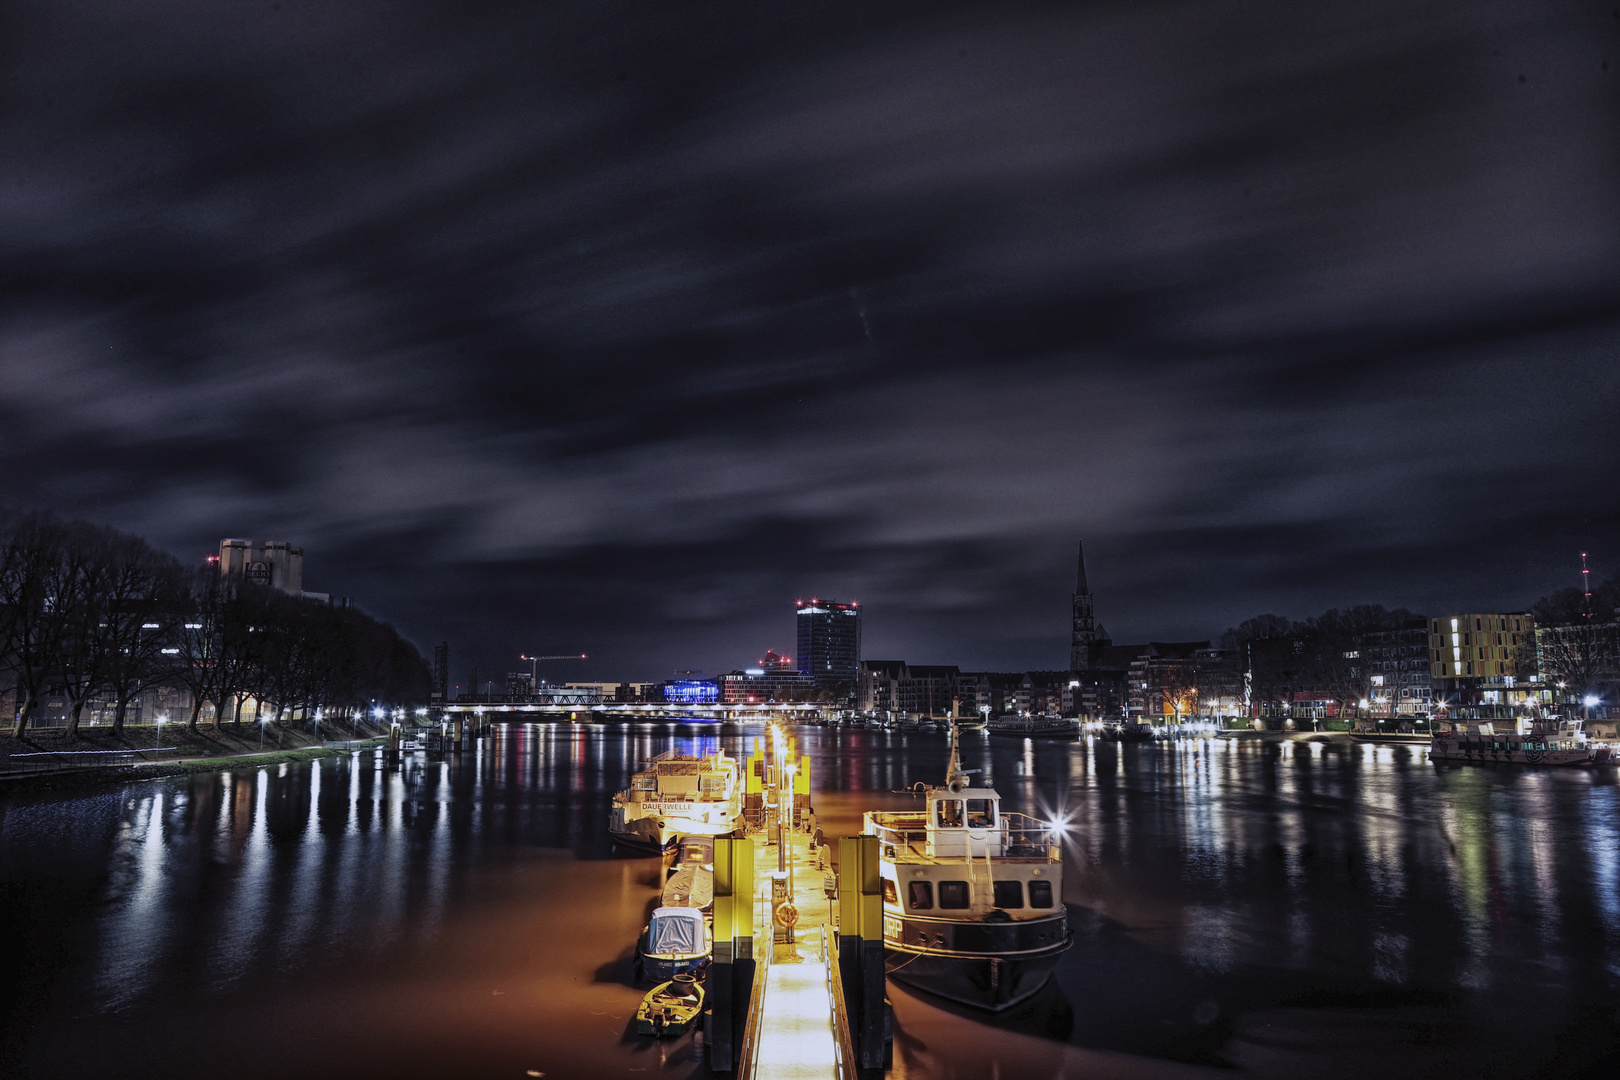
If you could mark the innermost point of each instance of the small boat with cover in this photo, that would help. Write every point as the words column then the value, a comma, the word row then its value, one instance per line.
column 676, row 941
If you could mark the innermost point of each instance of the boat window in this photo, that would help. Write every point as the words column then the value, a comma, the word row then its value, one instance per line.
column 953, row 894
column 950, row 813
column 1040, row 894
column 891, row 895
column 921, row 895
column 646, row 783
column 1009, row 894
column 712, row 783
column 981, row 814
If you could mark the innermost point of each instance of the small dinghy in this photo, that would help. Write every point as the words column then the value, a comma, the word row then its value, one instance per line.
column 669, row 1008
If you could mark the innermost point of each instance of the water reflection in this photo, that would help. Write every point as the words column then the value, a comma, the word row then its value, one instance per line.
column 1211, row 884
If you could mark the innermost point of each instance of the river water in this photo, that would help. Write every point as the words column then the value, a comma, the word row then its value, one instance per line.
column 1240, row 909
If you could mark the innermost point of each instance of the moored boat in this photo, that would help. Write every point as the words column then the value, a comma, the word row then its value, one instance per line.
column 1544, row 743
column 972, row 897
column 675, row 941
column 670, row 1008
column 675, row 796
column 1060, row 727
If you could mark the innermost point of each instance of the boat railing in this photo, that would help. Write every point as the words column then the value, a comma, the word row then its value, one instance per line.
column 1022, row 837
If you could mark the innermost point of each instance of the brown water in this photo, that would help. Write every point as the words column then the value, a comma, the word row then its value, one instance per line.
column 1273, row 911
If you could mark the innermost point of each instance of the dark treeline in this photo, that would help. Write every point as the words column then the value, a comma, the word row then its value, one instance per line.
column 1328, row 653
column 91, row 613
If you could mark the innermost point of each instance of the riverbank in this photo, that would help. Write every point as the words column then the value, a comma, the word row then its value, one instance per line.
column 46, row 759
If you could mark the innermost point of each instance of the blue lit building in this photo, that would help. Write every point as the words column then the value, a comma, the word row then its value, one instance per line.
column 830, row 642
column 692, row 691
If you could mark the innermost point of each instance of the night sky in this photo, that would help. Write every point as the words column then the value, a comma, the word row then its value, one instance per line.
column 618, row 327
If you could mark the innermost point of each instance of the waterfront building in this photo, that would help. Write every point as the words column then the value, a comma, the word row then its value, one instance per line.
column 1399, row 662
column 893, row 686
column 1580, row 668
column 1220, row 684
column 775, row 678
column 1484, row 666
column 274, row 564
column 690, row 691
column 830, row 642
column 1162, row 681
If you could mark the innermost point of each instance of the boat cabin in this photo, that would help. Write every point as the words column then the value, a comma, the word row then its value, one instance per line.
column 963, row 821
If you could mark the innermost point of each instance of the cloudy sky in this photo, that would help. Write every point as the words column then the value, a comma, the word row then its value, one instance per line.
column 617, row 327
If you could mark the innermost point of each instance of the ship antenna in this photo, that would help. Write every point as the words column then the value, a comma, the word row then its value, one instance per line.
column 955, row 778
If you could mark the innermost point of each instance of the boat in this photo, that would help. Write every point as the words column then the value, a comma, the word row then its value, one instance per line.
column 972, row 897
column 669, row 1008
column 678, row 795
column 690, row 886
column 675, row 941
column 1061, row 727
column 1539, row 743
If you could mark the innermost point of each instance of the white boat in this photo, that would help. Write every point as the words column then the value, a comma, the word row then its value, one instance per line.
column 972, row 897
column 1547, row 743
column 1059, row 727
column 678, row 795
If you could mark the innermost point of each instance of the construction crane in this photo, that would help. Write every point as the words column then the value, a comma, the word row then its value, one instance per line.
column 534, row 664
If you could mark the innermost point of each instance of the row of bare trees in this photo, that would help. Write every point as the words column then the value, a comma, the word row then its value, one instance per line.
column 91, row 613
column 1332, row 655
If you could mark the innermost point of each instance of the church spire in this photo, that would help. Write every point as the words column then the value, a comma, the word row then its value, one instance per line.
column 1083, row 630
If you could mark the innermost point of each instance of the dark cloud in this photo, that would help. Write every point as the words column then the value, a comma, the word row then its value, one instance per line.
column 621, row 326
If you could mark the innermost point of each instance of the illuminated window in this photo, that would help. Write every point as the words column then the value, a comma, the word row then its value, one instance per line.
column 890, row 894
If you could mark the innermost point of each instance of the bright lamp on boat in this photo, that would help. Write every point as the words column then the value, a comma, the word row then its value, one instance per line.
column 1591, row 700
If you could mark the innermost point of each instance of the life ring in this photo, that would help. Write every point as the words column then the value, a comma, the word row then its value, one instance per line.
column 786, row 914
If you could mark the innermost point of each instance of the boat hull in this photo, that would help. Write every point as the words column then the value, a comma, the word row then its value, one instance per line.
column 986, row 965
column 983, row 982
column 1468, row 752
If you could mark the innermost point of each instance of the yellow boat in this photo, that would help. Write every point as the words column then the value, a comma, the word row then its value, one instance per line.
column 669, row 1008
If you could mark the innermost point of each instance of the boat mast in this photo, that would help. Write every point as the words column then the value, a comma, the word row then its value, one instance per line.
column 955, row 778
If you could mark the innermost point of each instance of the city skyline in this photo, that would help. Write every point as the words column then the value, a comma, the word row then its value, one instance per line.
column 609, row 330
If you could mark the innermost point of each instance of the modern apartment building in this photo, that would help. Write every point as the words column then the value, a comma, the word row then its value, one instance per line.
column 830, row 642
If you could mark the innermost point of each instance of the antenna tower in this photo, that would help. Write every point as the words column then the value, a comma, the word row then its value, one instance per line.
column 1586, row 588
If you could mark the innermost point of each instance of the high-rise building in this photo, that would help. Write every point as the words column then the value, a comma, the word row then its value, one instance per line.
column 272, row 563
column 830, row 641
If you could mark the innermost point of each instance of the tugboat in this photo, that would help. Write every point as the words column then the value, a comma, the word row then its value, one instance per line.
column 1545, row 743
column 670, row 1008
column 972, row 897
column 675, row 796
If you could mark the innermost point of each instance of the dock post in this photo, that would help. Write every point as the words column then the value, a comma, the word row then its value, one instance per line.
column 860, row 946
column 730, row 982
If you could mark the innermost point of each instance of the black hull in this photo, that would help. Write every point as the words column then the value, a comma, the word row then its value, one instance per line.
column 983, row 982
column 986, row 964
